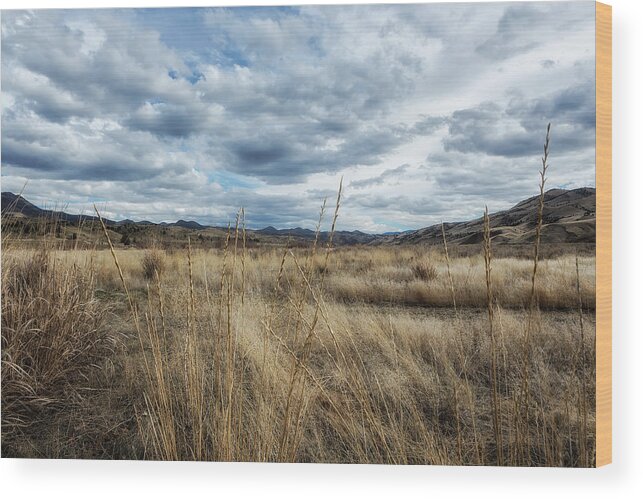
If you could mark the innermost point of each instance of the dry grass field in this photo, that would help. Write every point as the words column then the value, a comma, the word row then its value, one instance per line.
column 349, row 355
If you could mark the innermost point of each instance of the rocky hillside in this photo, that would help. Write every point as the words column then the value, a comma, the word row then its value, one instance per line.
column 569, row 216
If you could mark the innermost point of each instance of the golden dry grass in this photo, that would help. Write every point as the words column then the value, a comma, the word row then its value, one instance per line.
column 280, row 355
column 375, row 275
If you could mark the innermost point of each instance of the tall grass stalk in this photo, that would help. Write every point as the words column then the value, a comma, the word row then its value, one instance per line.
column 497, row 418
column 583, row 375
column 524, row 415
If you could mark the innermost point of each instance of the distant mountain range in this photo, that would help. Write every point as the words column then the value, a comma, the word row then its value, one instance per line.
column 569, row 216
column 340, row 237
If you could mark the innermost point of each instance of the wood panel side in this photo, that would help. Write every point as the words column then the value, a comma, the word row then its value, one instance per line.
column 603, row 234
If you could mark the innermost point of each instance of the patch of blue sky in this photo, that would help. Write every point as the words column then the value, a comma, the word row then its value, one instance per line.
column 185, row 30
column 181, row 29
column 314, row 43
column 574, row 184
column 394, row 226
column 97, row 199
column 195, row 77
column 266, row 12
column 230, row 181
column 229, row 56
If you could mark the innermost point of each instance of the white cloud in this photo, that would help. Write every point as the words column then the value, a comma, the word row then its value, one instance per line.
column 192, row 113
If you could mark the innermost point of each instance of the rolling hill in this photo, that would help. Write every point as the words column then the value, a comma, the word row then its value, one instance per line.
column 569, row 216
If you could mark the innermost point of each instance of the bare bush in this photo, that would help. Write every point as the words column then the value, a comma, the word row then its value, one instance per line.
column 425, row 270
column 153, row 264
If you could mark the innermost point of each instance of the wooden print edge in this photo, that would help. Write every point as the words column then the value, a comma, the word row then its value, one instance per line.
column 603, row 234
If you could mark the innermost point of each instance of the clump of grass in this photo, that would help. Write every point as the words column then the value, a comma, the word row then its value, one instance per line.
column 425, row 270
column 320, row 267
column 53, row 335
column 24, row 274
column 153, row 264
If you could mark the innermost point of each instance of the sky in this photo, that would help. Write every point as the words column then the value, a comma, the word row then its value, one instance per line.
column 428, row 112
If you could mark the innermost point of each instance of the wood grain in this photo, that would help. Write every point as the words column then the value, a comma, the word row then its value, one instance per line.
column 603, row 234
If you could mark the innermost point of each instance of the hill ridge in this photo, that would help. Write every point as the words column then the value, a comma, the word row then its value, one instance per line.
column 569, row 216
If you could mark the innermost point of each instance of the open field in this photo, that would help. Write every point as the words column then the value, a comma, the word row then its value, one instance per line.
column 355, row 354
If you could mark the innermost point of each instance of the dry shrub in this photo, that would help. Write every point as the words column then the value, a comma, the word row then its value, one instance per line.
column 425, row 270
column 320, row 267
column 153, row 264
column 52, row 336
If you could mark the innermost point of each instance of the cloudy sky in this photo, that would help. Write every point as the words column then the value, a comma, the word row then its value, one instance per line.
column 429, row 112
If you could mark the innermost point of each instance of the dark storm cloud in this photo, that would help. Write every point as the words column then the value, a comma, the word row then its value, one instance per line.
column 524, row 27
column 288, row 154
column 259, row 154
column 507, row 41
column 515, row 130
column 90, row 166
column 41, row 96
column 53, row 151
column 428, row 124
column 574, row 106
column 172, row 120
